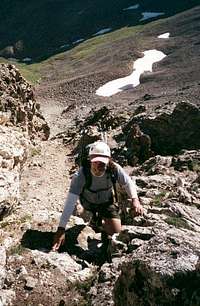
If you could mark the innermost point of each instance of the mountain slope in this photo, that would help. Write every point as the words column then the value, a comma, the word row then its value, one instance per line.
column 39, row 29
column 74, row 77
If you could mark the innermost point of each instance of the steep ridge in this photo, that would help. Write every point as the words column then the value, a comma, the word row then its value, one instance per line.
column 157, row 255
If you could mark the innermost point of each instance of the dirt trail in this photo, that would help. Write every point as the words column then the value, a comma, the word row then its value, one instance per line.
column 45, row 178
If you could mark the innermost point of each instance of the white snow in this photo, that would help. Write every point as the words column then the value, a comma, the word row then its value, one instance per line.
column 64, row 46
column 102, row 31
column 27, row 59
column 132, row 7
column 140, row 65
column 148, row 15
column 77, row 41
column 164, row 35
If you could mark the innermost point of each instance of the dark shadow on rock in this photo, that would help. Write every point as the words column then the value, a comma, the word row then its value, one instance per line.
column 127, row 87
column 38, row 240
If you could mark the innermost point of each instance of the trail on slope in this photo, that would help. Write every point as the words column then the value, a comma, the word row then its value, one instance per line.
column 45, row 178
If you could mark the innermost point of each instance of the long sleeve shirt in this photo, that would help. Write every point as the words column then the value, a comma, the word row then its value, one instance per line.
column 78, row 183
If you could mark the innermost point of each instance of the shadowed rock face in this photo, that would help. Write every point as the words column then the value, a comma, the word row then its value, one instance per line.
column 172, row 131
column 140, row 285
column 164, row 133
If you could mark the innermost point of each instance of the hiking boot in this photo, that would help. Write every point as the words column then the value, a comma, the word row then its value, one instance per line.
column 106, row 247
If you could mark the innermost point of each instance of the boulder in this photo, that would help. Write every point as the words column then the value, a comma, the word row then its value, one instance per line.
column 17, row 103
column 172, row 131
column 13, row 154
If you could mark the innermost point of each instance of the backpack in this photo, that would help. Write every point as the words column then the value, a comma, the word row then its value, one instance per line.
column 111, row 170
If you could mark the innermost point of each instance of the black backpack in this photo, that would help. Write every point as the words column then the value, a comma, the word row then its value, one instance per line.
column 111, row 171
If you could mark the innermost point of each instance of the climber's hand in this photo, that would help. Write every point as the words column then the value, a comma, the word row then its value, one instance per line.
column 136, row 208
column 59, row 239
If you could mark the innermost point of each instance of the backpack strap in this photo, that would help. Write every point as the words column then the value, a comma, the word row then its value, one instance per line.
column 87, row 174
column 112, row 169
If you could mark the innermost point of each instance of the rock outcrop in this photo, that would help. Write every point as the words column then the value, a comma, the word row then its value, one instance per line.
column 17, row 103
column 173, row 129
column 13, row 153
column 156, row 256
column 20, row 122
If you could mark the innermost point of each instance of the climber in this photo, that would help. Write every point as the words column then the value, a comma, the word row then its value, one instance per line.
column 94, row 186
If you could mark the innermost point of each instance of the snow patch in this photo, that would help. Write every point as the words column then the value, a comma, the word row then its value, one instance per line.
column 64, row 46
column 164, row 35
column 103, row 31
column 27, row 60
column 149, row 15
column 77, row 41
column 140, row 65
column 132, row 7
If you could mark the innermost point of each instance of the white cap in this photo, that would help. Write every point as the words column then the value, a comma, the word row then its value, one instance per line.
column 99, row 151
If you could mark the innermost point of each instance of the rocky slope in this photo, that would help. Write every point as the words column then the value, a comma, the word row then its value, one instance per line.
column 156, row 258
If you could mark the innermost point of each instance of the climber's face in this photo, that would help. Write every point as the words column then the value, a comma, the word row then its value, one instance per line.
column 98, row 168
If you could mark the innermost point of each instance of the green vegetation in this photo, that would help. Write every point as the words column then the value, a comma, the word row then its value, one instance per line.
column 17, row 249
column 178, row 222
column 34, row 151
column 4, row 224
column 33, row 72
column 23, row 219
column 195, row 166
column 30, row 72
column 88, row 47
column 159, row 198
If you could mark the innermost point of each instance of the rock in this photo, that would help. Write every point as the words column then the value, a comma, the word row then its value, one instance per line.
column 7, row 297
column 187, row 160
column 157, row 164
column 63, row 262
column 184, row 195
column 30, row 282
column 19, row 99
column 138, row 145
column 13, row 154
column 2, row 266
column 170, row 132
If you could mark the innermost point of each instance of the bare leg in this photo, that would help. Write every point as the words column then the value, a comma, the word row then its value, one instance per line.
column 112, row 226
column 79, row 209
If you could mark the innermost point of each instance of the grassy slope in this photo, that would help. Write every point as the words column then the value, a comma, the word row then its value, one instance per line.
column 83, row 56
column 76, row 56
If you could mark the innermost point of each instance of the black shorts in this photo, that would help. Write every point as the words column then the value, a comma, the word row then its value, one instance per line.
column 106, row 210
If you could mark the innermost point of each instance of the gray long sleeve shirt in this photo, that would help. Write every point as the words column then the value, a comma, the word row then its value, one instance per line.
column 98, row 183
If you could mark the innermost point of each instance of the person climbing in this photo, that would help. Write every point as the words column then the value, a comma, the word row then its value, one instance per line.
column 94, row 186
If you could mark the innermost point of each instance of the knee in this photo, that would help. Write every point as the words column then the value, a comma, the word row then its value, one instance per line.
column 113, row 226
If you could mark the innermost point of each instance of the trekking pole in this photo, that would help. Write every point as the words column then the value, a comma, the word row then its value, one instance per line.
column 104, row 136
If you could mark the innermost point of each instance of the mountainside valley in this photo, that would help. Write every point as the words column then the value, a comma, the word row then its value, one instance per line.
column 49, row 110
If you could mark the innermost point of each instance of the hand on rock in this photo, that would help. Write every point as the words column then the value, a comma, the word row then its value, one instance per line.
column 59, row 239
column 136, row 208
